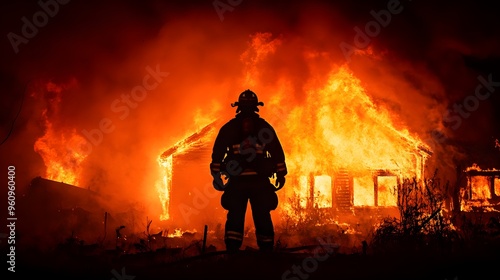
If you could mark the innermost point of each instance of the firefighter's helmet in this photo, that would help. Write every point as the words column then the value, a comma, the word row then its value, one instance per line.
column 247, row 101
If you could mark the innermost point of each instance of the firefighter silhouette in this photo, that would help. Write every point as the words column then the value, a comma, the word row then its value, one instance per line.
column 248, row 153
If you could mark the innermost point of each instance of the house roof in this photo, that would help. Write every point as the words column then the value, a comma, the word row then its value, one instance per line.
column 194, row 140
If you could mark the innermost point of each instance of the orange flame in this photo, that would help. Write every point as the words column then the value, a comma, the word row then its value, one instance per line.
column 336, row 127
column 479, row 190
column 61, row 155
column 346, row 129
column 165, row 161
column 165, row 185
column 61, row 149
column 340, row 127
column 261, row 45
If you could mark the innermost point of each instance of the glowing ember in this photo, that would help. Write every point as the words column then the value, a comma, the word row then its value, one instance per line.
column 177, row 233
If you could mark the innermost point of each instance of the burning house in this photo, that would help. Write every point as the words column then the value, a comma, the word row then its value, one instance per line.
column 347, row 158
column 113, row 108
column 481, row 191
column 347, row 150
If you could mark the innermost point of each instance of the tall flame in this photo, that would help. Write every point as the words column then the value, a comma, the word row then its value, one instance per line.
column 339, row 127
column 336, row 128
column 60, row 154
column 346, row 129
column 165, row 185
column 61, row 149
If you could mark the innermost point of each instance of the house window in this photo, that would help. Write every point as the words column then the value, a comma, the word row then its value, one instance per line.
column 323, row 191
column 364, row 193
column 315, row 191
column 303, row 191
column 496, row 188
column 480, row 187
column 387, row 191
column 375, row 191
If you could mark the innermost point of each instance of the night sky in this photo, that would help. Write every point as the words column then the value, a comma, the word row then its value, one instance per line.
column 104, row 48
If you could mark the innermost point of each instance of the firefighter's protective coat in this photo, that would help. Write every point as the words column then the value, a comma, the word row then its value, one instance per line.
column 248, row 151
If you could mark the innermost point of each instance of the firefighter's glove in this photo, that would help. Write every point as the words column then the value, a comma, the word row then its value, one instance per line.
column 280, row 182
column 217, row 182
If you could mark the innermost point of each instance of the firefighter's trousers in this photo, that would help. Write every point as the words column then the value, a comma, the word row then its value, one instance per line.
column 263, row 199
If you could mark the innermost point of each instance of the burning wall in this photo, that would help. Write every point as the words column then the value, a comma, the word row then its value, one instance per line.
column 185, row 178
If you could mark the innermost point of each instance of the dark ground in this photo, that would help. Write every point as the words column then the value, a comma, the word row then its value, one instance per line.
column 476, row 263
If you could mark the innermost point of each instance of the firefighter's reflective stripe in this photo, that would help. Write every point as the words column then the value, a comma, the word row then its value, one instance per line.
column 215, row 167
column 281, row 167
column 248, row 171
column 233, row 235
column 259, row 149
column 265, row 238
